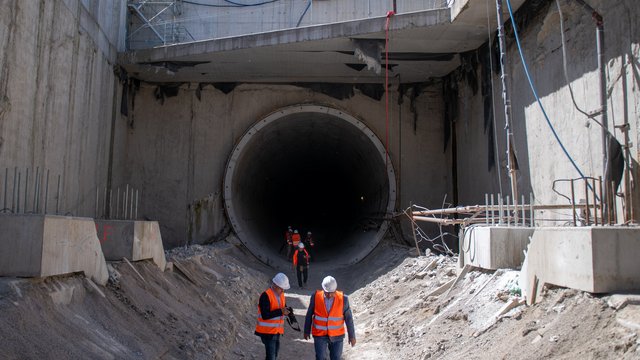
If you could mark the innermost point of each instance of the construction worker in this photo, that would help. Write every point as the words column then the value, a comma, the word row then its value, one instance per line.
column 327, row 315
column 271, row 312
column 295, row 239
column 308, row 240
column 287, row 242
column 301, row 263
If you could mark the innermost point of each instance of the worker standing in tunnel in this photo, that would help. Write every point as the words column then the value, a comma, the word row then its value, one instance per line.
column 308, row 241
column 295, row 239
column 326, row 318
column 288, row 242
column 301, row 263
column 271, row 312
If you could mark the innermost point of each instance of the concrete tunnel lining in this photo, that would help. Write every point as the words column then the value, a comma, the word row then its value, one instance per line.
column 318, row 169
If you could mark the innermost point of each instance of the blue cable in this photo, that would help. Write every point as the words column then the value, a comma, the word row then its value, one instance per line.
column 535, row 93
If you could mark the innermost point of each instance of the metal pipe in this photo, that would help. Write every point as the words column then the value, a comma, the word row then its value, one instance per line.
column 118, row 202
column 58, row 197
column 35, row 189
column 601, row 202
column 506, row 98
column 13, row 194
column 486, row 204
column 493, row 214
column 18, row 192
column 97, row 201
column 614, row 208
column 136, row 217
column 6, row 177
column 595, row 201
column 131, row 205
column 508, row 212
column 46, row 193
column 531, row 211
column 586, row 195
column 573, row 203
column 524, row 217
column 500, row 211
column 26, row 190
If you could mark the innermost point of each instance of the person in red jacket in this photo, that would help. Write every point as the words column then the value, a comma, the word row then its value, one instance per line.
column 271, row 312
column 326, row 318
column 301, row 263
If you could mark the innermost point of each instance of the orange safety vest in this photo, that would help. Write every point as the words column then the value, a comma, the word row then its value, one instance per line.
column 331, row 324
column 295, row 256
column 274, row 325
column 296, row 239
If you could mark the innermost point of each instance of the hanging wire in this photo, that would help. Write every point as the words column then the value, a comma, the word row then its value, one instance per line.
column 535, row 92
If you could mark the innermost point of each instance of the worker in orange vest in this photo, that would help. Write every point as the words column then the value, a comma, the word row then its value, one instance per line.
column 271, row 312
column 295, row 240
column 326, row 318
column 301, row 263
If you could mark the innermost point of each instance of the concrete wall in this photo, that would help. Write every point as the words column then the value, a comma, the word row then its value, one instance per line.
column 540, row 158
column 177, row 151
column 57, row 101
column 188, row 22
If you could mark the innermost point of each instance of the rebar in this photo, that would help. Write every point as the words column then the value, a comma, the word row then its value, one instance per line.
column 46, row 193
column 6, row 177
column 18, row 192
column 136, row 217
column 35, row 190
column 586, row 195
column 26, row 190
column 58, row 197
column 573, row 203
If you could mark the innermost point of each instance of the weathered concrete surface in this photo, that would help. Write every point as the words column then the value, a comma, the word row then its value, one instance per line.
column 181, row 148
column 57, row 90
column 133, row 240
column 494, row 247
column 540, row 158
column 40, row 246
column 593, row 259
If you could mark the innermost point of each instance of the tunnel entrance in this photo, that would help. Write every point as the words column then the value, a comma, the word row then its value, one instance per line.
column 317, row 169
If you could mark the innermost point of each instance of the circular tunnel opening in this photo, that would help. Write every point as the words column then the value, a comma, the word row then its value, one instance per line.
column 316, row 169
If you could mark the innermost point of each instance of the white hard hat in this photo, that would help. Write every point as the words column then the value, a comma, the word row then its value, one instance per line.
column 295, row 231
column 281, row 280
column 308, row 232
column 301, row 245
column 329, row 284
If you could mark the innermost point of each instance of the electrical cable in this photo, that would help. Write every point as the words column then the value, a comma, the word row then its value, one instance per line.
column 535, row 93
column 566, row 72
column 304, row 13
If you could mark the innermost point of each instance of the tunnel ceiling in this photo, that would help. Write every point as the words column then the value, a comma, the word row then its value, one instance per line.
column 316, row 169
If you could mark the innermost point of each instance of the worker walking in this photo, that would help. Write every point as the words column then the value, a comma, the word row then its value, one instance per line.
column 301, row 263
column 287, row 242
column 271, row 312
column 327, row 315
column 308, row 240
column 295, row 239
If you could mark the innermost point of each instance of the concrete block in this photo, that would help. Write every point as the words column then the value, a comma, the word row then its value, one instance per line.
column 132, row 240
column 592, row 259
column 47, row 245
column 494, row 247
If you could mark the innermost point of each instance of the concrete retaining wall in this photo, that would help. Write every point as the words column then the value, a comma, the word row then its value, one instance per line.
column 540, row 158
column 40, row 246
column 593, row 259
column 58, row 95
column 494, row 247
column 133, row 240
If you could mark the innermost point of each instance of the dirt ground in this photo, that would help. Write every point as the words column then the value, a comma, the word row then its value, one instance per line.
column 204, row 307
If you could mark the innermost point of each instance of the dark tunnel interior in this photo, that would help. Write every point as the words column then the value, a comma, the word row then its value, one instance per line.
column 315, row 172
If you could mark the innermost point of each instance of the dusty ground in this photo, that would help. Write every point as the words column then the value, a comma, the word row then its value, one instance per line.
column 204, row 308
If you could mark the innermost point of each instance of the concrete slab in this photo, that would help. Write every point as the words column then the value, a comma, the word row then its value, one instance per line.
column 132, row 240
column 47, row 245
column 592, row 259
column 494, row 247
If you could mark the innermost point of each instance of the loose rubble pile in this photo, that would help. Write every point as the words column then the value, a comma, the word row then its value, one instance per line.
column 405, row 307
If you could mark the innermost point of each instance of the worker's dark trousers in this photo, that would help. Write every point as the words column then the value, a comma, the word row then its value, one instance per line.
column 271, row 345
column 300, row 273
